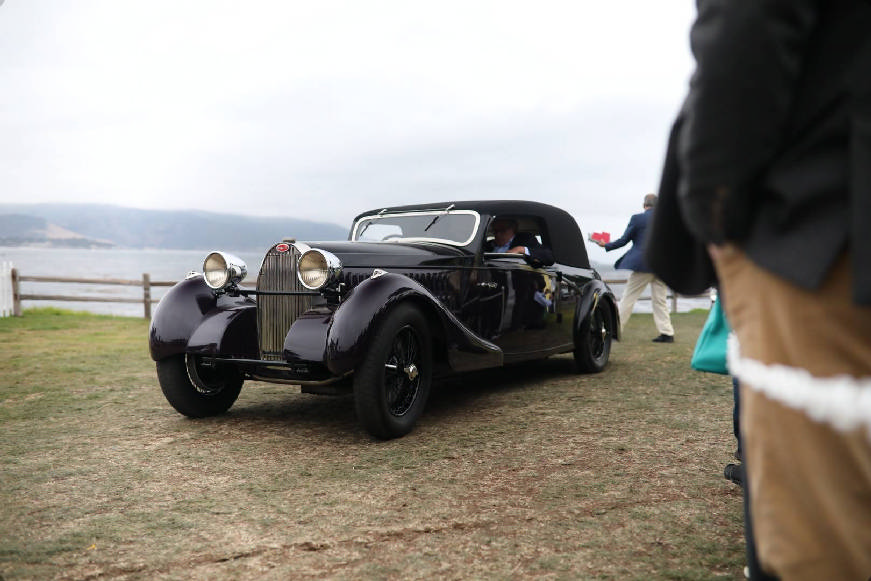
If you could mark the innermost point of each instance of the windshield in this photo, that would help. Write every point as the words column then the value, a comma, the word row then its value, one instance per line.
column 456, row 227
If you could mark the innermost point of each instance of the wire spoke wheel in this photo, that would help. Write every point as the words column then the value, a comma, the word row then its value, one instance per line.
column 196, row 387
column 402, row 375
column 392, row 384
column 593, row 340
column 598, row 334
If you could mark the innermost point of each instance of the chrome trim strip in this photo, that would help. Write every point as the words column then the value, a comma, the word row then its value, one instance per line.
column 249, row 292
column 440, row 212
column 329, row 381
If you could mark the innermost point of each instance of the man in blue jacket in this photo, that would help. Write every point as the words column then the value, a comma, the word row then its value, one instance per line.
column 641, row 275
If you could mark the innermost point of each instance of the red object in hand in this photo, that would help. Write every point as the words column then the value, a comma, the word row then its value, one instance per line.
column 603, row 237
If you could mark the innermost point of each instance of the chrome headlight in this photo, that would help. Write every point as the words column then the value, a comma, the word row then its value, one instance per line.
column 221, row 270
column 317, row 268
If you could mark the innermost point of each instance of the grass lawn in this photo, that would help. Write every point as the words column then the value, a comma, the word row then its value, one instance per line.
column 529, row 471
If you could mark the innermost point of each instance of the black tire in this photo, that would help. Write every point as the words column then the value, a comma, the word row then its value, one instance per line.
column 593, row 342
column 393, row 382
column 198, row 390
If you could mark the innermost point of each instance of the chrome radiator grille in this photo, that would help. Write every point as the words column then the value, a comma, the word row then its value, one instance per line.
column 276, row 313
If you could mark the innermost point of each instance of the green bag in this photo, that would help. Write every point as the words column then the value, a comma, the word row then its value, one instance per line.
column 710, row 352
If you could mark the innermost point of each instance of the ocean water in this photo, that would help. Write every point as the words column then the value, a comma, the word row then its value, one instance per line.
column 163, row 266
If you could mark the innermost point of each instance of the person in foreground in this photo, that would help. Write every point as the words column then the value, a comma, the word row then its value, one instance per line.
column 641, row 275
column 773, row 174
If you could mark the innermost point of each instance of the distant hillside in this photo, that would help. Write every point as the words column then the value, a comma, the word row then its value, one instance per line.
column 91, row 225
column 25, row 230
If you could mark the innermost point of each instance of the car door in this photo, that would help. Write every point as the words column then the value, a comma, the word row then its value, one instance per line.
column 520, row 306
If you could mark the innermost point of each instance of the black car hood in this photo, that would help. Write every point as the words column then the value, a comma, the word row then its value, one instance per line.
column 396, row 254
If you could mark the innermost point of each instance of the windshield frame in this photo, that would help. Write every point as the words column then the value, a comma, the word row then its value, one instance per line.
column 375, row 217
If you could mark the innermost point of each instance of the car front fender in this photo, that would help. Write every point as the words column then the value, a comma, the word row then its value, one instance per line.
column 190, row 318
column 357, row 319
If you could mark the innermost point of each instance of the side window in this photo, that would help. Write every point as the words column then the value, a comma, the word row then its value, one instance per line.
column 543, row 236
column 531, row 227
column 526, row 226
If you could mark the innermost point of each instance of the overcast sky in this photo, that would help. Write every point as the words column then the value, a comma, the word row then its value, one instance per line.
column 324, row 109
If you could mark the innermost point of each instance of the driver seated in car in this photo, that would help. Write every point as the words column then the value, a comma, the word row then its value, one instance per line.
column 506, row 239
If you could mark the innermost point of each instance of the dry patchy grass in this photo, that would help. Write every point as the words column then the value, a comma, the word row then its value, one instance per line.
column 525, row 472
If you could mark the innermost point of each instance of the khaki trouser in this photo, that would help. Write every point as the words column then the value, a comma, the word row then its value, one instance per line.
column 658, row 296
column 809, row 482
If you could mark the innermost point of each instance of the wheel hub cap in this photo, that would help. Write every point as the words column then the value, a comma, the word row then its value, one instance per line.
column 411, row 371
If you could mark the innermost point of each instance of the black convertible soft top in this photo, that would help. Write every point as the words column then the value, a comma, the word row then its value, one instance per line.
column 566, row 240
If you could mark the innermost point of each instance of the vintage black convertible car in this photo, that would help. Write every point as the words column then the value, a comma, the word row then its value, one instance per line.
column 412, row 295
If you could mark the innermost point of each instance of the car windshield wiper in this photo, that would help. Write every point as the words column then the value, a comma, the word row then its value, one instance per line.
column 369, row 223
column 436, row 219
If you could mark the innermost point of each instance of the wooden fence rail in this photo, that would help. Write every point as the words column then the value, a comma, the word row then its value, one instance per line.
column 147, row 284
column 672, row 296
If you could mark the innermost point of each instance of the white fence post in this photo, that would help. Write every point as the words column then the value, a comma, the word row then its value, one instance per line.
column 6, row 305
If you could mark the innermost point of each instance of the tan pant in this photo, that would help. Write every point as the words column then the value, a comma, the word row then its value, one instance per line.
column 658, row 296
column 809, row 482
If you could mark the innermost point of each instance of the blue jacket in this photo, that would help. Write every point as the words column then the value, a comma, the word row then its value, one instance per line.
column 634, row 258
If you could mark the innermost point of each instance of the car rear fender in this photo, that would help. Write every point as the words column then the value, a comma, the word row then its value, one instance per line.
column 190, row 318
column 359, row 315
column 594, row 293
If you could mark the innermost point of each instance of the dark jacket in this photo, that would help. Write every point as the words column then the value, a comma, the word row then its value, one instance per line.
column 679, row 259
column 775, row 149
column 538, row 255
column 635, row 233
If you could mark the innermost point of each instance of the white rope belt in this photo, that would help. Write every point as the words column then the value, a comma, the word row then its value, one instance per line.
column 842, row 401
